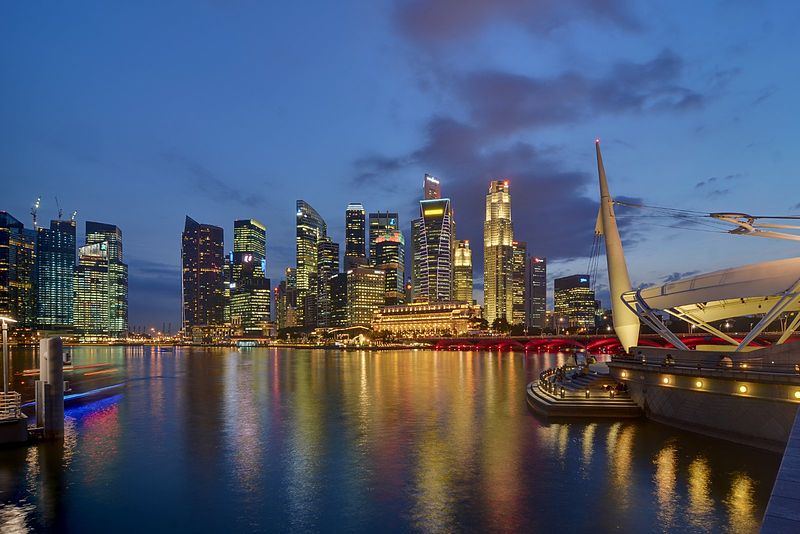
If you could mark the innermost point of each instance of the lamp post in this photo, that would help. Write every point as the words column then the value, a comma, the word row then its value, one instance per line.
column 5, row 320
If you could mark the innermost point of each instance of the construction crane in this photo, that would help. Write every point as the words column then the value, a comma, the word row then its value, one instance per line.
column 60, row 211
column 35, row 211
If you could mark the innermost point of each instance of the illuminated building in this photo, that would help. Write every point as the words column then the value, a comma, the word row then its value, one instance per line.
column 498, row 254
column 250, row 310
column 355, row 250
column 462, row 272
column 365, row 295
column 17, row 268
column 574, row 301
column 55, row 266
column 327, row 266
column 286, row 300
column 100, row 308
column 379, row 224
column 227, row 276
column 537, row 292
column 339, row 300
column 427, row 319
column 310, row 227
column 390, row 258
column 203, row 281
column 432, row 246
column 519, row 284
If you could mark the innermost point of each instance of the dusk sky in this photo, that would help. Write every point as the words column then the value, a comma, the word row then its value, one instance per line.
column 138, row 114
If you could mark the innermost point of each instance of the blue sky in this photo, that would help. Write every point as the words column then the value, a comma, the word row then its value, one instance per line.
column 138, row 114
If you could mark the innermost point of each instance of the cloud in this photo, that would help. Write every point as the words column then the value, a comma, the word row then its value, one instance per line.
column 432, row 22
column 154, row 293
column 206, row 183
column 674, row 277
column 714, row 180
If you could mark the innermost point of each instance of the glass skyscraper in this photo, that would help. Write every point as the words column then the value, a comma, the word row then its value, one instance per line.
column 250, row 296
column 379, row 224
column 537, row 292
column 462, row 272
column 519, row 313
column 432, row 245
column 55, row 267
column 17, row 273
column 202, row 255
column 310, row 228
column 498, row 254
column 327, row 267
column 574, row 301
column 390, row 258
column 355, row 252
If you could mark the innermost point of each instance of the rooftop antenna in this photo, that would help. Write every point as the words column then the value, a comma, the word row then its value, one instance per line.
column 74, row 214
column 35, row 211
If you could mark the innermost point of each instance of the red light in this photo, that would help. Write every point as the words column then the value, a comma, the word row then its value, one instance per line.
column 597, row 140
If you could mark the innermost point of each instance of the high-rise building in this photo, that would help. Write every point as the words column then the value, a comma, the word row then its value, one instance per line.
column 574, row 302
column 286, row 300
column 537, row 293
column 327, row 266
column 462, row 272
column 202, row 256
column 339, row 300
column 365, row 295
column 379, row 224
column 17, row 273
column 355, row 252
column 519, row 292
column 310, row 227
column 498, row 254
column 250, row 297
column 100, row 308
column 55, row 267
column 390, row 258
column 432, row 246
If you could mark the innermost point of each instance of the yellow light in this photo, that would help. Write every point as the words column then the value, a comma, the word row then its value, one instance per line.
column 797, row 394
column 438, row 211
column 665, row 380
column 624, row 374
column 699, row 383
column 742, row 389
column 744, row 366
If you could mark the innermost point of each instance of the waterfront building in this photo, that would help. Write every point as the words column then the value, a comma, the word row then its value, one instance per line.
column 17, row 274
column 498, row 254
column 100, row 306
column 462, row 272
column 390, row 258
column 250, row 298
column 228, row 284
column 432, row 246
column 427, row 319
column 286, row 300
column 379, row 224
column 519, row 285
column 327, row 266
column 574, row 302
column 339, row 300
column 537, row 293
column 355, row 251
column 55, row 266
column 365, row 295
column 202, row 259
column 310, row 228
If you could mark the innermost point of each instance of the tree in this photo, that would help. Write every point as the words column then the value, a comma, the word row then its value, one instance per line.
column 501, row 326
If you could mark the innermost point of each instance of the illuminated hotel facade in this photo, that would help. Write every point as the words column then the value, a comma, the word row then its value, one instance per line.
column 432, row 236
column 310, row 229
column 55, row 266
column 519, row 314
column 498, row 254
column 355, row 250
column 202, row 258
column 422, row 319
column 462, row 272
column 574, row 302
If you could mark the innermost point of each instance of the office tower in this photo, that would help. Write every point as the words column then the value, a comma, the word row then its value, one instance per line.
column 462, row 272
column 250, row 296
column 100, row 309
column 537, row 293
column 379, row 224
column 228, row 284
column 310, row 228
column 432, row 246
column 519, row 279
column 17, row 273
column 203, row 262
column 286, row 300
column 339, row 300
column 390, row 258
column 55, row 266
column 327, row 266
column 355, row 253
column 574, row 302
column 365, row 295
column 498, row 254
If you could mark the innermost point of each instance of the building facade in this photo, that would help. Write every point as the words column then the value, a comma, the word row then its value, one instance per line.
column 537, row 293
column 498, row 254
column 365, row 295
column 250, row 296
column 390, row 258
column 55, row 267
column 462, row 272
column 379, row 224
column 519, row 291
column 310, row 229
column 202, row 258
column 432, row 237
column 421, row 319
column 327, row 266
column 355, row 250
column 17, row 274
column 574, row 303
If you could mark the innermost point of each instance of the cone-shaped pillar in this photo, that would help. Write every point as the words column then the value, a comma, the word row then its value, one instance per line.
column 626, row 322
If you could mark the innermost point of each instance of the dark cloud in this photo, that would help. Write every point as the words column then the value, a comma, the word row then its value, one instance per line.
column 430, row 22
column 763, row 95
column 715, row 180
column 674, row 277
column 207, row 183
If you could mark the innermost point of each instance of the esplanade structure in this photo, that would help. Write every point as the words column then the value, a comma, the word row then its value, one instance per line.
column 742, row 390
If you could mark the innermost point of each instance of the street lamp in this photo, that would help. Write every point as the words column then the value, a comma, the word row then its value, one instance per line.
column 5, row 320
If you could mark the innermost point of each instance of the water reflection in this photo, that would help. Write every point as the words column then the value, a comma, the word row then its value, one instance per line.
column 665, row 479
column 740, row 503
column 701, row 505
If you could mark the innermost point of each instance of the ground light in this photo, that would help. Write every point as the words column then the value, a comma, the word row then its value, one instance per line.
column 742, row 389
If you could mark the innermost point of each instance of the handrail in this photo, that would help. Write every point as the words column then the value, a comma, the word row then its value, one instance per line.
column 752, row 365
column 10, row 405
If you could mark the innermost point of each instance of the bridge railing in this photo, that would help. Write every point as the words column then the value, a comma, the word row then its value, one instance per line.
column 10, row 405
column 750, row 365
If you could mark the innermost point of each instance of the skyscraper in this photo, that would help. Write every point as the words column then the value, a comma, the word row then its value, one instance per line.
column 55, row 266
column 100, row 308
column 379, row 224
column 462, row 272
column 537, row 292
column 202, row 256
column 250, row 310
column 519, row 298
column 498, row 254
column 355, row 253
column 310, row 227
column 574, row 301
column 17, row 270
column 390, row 258
column 432, row 245
column 365, row 295
column 286, row 300
column 327, row 267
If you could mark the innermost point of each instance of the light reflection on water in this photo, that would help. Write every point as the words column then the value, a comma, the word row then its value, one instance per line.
column 210, row 440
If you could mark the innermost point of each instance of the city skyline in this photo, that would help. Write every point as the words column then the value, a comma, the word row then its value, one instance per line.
column 711, row 122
